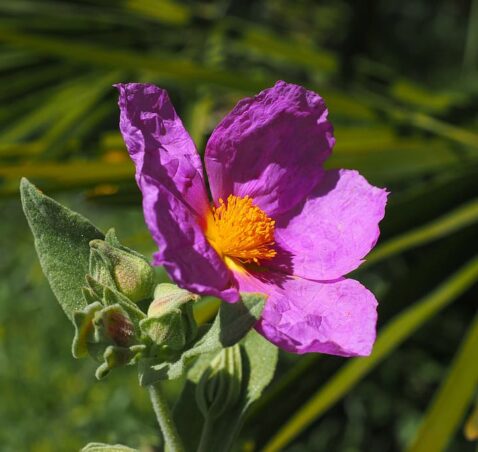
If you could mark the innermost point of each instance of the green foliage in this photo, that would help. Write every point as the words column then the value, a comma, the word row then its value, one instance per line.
column 115, row 332
column 231, row 324
column 62, row 242
column 400, row 84
column 217, row 431
column 51, row 401
column 455, row 220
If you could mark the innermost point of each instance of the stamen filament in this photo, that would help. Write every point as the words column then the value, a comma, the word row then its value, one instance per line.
column 240, row 230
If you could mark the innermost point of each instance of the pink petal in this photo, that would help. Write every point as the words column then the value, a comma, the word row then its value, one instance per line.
column 302, row 316
column 329, row 234
column 184, row 252
column 159, row 145
column 169, row 174
column 271, row 147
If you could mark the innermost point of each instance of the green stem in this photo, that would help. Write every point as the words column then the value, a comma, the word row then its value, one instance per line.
column 205, row 435
column 172, row 440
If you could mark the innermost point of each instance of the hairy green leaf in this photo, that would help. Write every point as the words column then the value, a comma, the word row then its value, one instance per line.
column 62, row 242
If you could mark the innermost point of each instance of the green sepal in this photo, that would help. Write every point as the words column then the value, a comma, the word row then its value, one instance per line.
column 89, row 295
column 102, row 447
column 108, row 296
column 112, row 296
column 167, row 330
column 116, row 356
column 100, row 268
column 94, row 287
column 62, row 242
column 112, row 239
column 97, row 327
column 83, row 323
column 231, row 324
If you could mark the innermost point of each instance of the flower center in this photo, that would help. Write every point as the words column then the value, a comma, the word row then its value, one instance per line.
column 240, row 230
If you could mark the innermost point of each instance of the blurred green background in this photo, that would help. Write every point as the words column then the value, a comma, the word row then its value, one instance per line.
column 401, row 83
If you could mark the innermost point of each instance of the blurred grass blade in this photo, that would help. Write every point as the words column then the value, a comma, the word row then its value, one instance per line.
column 12, row 59
column 419, row 120
column 400, row 159
column 471, row 426
column 452, row 399
column 165, row 11
column 174, row 69
column 397, row 330
column 423, row 98
column 470, row 59
column 56, row 105
column 453, row 221
column 71, row 174
column 272, row 46
column 26, row 79
column 198, row 118
column 65, row 126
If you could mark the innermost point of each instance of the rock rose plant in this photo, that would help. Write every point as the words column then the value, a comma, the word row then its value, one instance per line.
column 262, row 226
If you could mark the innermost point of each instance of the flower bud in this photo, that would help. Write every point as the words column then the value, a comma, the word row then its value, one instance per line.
column 220, row 385
column 168, row 297
column 112, row 324
column 170, row 319
column 131, row 274
column 108, row 335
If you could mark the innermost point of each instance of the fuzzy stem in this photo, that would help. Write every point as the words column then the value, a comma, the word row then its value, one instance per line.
column 172, row 440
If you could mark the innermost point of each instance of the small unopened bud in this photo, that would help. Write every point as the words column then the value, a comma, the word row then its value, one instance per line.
column 98, row 327
column 168, row 297
column 116, row 325
column 220, row 385
column 132, row 275
column 170, row 319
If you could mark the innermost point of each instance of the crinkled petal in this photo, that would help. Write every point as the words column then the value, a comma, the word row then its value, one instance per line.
column 169, row 174
column 184, row 251
column 159, row 145
column 270, row 147
column 329, row 234
column 301, row 316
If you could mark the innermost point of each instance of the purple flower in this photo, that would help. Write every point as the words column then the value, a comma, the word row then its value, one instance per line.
column 278, row 222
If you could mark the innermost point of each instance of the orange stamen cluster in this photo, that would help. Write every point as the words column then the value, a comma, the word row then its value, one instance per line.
column 240, row 230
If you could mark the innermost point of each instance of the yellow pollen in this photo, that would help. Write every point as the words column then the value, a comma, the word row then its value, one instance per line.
column 240, row 230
